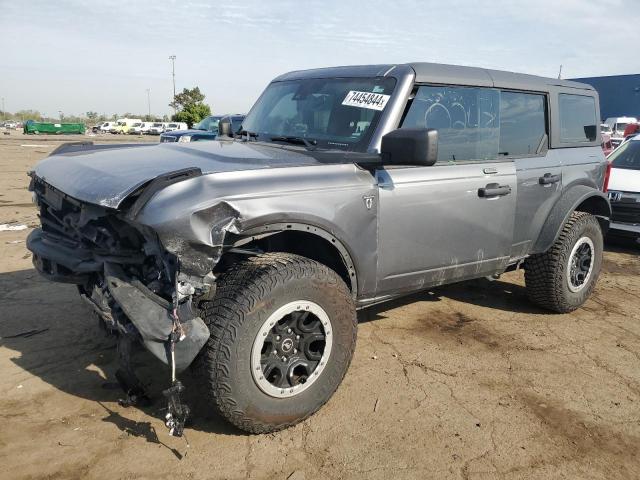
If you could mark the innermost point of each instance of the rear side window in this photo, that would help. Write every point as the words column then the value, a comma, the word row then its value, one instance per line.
column 522, row 123
column 577, row 118
column 467, row 120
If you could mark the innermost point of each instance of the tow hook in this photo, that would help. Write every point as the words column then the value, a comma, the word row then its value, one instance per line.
column 177, row 412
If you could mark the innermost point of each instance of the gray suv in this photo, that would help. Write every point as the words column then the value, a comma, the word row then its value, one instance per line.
column 247, row 257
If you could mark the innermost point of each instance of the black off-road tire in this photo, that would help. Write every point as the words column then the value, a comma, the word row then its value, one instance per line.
column 546, row 274
column 247, row 294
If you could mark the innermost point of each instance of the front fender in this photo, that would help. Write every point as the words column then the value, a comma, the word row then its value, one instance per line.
column 594, row 201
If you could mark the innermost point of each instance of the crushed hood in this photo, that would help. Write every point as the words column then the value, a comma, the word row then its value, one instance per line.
column 106, row 174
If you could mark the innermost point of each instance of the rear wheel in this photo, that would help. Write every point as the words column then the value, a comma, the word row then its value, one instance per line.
column 563, row 278
column 283, row 330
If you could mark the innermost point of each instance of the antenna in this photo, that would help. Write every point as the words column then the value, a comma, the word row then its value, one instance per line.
column 560, row 73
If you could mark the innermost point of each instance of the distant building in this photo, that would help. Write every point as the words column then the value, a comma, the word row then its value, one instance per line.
column 619, row 94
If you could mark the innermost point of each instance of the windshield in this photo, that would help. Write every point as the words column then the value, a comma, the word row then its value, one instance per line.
column 620, row 127
column 157, row 124
column 171, row 125
column 605, row 128
column 137, row 124
column 626, row 156
column 122, row 124
column 209, row 123
column 335, row 112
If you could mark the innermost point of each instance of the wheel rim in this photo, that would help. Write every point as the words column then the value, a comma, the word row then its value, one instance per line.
column 291, row 349
column 580, row 264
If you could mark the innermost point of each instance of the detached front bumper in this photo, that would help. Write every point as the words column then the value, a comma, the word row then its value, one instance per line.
column 151, row 315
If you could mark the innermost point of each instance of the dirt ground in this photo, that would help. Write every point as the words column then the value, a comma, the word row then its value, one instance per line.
column 467, row 381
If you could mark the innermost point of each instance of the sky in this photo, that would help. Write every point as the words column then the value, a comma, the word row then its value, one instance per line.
column 77, row 56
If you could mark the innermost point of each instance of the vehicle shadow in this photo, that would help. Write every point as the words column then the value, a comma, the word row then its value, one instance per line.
column 620, row 244
column 52, row 335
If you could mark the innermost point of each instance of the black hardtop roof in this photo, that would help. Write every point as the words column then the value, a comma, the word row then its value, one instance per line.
column 441, row 73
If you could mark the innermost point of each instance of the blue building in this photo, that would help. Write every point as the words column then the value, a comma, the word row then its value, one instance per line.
column 619, row 94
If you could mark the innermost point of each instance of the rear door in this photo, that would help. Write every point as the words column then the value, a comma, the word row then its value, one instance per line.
column 524, row 138
column 453, row 220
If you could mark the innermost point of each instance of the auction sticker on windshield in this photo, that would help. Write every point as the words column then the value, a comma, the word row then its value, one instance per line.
column 373, row 101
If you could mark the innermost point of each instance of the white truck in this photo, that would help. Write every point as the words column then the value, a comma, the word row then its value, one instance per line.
column 617, row 125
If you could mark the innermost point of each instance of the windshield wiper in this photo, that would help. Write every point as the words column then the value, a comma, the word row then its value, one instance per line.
column 309, row 143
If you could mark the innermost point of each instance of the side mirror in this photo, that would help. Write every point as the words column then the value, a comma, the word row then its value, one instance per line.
column 224, row 127
column 410, row 146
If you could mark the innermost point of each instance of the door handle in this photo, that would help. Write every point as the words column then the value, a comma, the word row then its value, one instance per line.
column 494, row 190
column 548, row 179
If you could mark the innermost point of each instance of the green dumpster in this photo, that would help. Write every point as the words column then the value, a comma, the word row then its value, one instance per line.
column 31, row 126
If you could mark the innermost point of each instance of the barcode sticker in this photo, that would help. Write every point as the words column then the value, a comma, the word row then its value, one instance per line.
column 372, row 101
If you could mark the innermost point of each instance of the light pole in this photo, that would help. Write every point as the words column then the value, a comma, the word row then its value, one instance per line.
column 149, row 101
column 60, row 113
column 173, row 74
column 4, row 114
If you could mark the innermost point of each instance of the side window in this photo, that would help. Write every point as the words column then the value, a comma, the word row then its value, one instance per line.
column 522, row 123
column 577, row 118
column 467, row 120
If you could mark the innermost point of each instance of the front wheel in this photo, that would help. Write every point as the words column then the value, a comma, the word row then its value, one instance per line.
column 283, row 331
column 562, row 278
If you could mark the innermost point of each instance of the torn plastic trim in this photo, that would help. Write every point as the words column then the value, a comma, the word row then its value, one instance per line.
column 264, row 231
column 152, row 317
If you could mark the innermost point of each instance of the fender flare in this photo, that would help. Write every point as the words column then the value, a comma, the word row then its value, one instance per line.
column 564, row 207
column 267, row 230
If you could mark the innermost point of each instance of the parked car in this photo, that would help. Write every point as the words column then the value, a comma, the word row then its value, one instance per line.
column 207, row 129
column 347, row 187
column 11, row 125
column 170, row 127
column 140, row 128
column 156, row 128
column 618, row 125
column 624, row 188
column 123, row 125
column 106, row 127
column 145, row 127
column 607, row 146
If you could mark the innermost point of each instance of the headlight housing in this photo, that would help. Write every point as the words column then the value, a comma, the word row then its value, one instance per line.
column 185, row 138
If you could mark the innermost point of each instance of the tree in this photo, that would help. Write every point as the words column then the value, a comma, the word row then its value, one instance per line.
column 92, row 115
column 191, row 106
column 28, row 114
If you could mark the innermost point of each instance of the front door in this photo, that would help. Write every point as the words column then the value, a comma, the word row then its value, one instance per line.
column 443, row 223
column 453, row 220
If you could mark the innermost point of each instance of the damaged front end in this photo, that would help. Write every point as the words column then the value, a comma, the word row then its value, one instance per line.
column 127, row 277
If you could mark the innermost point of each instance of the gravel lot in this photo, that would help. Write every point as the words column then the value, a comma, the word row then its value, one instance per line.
column 467, row 381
